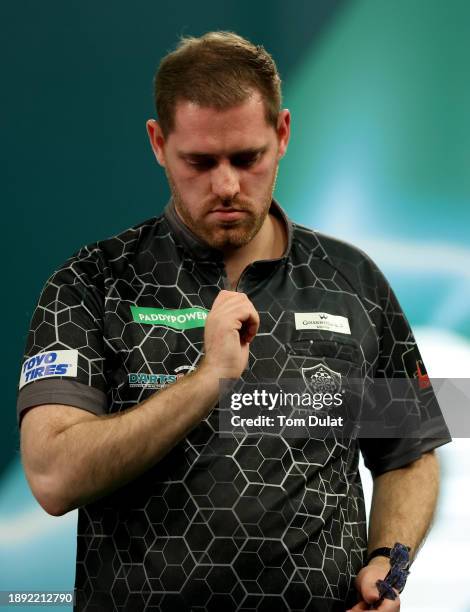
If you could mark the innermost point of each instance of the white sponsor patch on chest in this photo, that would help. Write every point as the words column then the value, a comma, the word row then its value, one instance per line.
column 322, row 321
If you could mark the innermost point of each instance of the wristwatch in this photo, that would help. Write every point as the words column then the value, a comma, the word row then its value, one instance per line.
column 379, row 552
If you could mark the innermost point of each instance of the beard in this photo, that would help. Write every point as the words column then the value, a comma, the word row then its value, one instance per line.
column 220, row 234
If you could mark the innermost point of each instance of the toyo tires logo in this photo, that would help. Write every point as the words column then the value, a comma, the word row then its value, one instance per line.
column 184, row 318
column 49, row 364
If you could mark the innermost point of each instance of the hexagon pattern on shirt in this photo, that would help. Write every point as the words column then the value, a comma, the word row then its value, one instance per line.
column 262, row 522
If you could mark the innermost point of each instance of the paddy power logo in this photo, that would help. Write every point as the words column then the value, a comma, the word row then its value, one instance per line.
column 184, row 318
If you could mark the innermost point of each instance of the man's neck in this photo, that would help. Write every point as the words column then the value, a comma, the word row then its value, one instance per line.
column 269, row 243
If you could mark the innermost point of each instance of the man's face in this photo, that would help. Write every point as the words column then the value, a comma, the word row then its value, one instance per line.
column 221, row 167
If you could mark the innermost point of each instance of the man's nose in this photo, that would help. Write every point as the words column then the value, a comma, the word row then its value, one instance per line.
column 225, row 181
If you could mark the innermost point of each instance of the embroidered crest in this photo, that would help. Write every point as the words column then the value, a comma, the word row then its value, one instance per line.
column 321, row 379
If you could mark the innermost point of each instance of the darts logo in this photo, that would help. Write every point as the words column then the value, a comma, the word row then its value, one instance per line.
column 158, row 381
column 321, row 379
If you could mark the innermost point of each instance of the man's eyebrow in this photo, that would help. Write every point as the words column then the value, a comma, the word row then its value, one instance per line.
column 196, row 155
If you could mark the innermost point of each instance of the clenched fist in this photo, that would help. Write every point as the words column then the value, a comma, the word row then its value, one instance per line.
column 230, row 326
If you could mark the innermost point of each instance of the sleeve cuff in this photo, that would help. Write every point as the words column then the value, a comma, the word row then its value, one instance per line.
column 61, row 391
column 380, row 466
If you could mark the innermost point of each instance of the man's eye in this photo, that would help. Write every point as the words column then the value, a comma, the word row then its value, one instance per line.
column 245, row 161
column 200, row 164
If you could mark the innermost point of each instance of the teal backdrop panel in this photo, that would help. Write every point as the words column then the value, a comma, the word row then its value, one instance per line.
column 380, row 147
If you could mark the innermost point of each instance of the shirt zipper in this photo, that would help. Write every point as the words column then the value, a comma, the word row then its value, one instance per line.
column 226, row 281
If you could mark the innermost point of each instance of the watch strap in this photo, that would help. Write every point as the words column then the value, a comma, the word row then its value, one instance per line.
column 384, row 551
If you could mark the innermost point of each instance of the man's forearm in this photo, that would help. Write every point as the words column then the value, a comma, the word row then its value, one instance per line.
column 93, row 458
column 403, row 504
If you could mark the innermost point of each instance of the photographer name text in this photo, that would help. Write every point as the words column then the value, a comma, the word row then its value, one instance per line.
column 312, row 420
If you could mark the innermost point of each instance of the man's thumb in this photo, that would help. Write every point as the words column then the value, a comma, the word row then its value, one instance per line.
column 369, row 591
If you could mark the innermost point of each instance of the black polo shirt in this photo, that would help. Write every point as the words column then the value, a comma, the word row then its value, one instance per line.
column 222, row 523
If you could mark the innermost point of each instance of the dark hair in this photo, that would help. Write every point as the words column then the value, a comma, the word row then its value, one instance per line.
column 217, row 70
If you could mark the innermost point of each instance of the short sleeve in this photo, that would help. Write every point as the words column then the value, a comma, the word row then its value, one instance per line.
column 65, row 353
column 400, row 367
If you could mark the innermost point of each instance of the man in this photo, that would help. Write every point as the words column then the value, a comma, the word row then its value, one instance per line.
column 120, row 384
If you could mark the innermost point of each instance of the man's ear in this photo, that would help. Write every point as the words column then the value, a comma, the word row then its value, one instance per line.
column 283, row 131
column 157, row 141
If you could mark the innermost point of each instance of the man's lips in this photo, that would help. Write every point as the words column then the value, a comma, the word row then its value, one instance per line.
column 228, row 214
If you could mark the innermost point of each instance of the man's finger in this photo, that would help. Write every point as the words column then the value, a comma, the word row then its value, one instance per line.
column 362, row 605
column 387, row 605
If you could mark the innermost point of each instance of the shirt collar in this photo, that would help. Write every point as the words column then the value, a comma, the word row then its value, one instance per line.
column 200, row 249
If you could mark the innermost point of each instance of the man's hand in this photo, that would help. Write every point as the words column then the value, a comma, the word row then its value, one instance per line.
column 368, row 592
column 230, row 326
column 403, row 503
